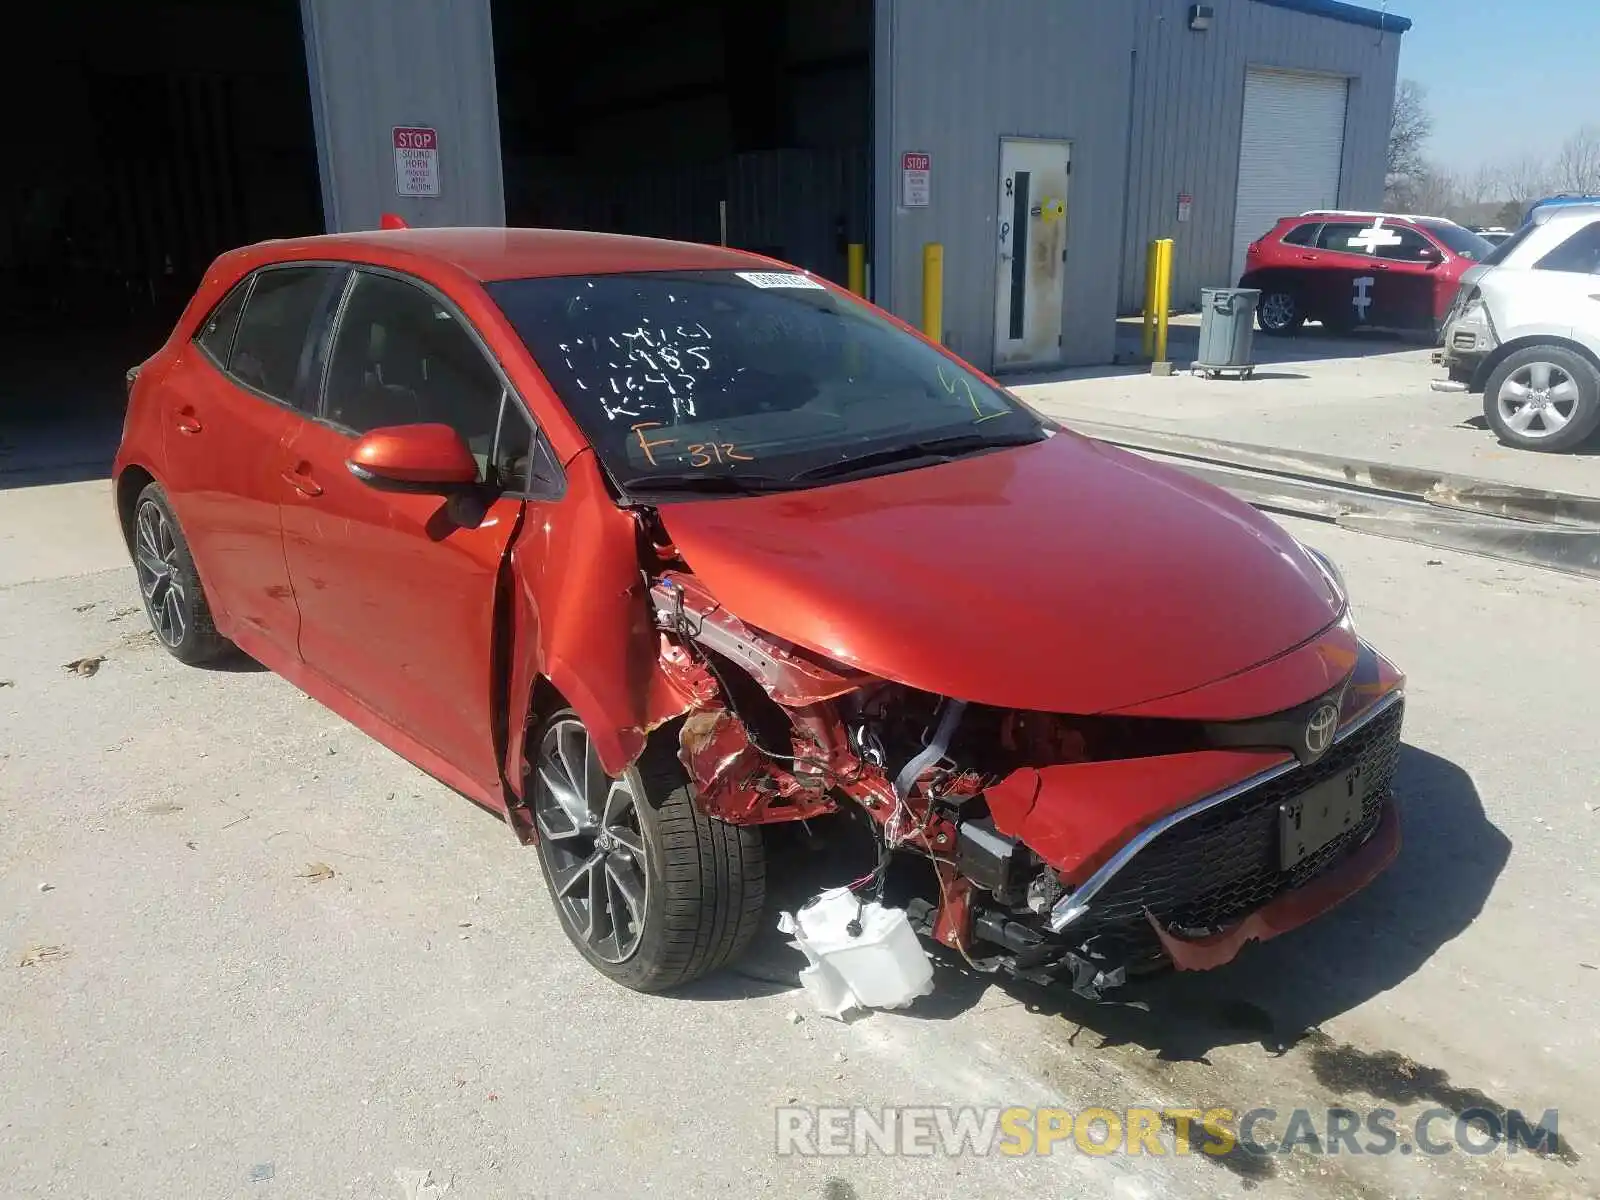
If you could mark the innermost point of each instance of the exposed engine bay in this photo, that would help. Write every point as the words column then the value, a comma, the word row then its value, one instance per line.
column 1029, row 874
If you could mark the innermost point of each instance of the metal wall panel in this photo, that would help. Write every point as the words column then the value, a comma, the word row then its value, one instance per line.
column 1188, row 111
column 376, row 64
column 952, row 77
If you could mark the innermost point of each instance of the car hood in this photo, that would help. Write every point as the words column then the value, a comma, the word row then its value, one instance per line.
column 1064, row 576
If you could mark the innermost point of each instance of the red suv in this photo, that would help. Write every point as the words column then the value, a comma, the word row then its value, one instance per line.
column 1347, row 269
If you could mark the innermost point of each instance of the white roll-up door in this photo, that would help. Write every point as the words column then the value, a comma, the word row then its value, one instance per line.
column 1289, row 151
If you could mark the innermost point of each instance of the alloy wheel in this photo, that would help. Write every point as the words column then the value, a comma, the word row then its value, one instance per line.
column 1277, row 309
column 160, row 574
column 1537, row 400
column 592, row 842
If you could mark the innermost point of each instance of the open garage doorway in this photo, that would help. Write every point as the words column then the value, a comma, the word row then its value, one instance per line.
column 145, row 137
column 693, row 119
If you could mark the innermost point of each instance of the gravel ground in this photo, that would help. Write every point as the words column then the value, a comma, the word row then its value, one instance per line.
column 193, row 1006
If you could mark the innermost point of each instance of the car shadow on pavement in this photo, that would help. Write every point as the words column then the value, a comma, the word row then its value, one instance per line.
column 1276, row 993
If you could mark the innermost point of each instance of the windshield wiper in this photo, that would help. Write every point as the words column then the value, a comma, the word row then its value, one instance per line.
column 704, row 481
column 940, row 449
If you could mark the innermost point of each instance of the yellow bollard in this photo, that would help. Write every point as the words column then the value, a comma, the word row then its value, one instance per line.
column 856, row 258
column 1163, row 296
column 1151, row 257
column 933, row 291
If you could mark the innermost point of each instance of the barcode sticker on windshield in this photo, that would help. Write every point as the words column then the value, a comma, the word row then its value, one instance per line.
column 778, row 279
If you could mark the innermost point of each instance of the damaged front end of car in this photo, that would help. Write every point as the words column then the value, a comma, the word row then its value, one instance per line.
column 1084, row 848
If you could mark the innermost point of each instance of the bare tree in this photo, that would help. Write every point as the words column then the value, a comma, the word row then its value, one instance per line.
column 1410, row 126
column 1481, row 187
column 1577, row 167
column 1524, row 179
column 1433, row 191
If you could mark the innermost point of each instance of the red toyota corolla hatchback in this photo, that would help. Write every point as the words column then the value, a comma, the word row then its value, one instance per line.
column 647, row 545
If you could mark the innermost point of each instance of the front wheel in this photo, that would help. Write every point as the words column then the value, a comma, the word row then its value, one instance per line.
column 651, row 891
column 1279, row 313
column 1543, row 398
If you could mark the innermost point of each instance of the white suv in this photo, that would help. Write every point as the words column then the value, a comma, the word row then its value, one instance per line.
column 1525, row 331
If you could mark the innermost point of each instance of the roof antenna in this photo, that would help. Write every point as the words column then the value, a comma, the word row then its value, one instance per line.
column 392, row 221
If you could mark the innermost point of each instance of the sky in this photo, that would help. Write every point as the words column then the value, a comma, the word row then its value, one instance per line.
column 1504, row 79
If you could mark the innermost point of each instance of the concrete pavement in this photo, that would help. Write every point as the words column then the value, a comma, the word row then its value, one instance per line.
column 1361, row 397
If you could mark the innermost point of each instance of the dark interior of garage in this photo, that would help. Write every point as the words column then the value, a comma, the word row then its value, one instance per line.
column 696, row 120
column 145, row 139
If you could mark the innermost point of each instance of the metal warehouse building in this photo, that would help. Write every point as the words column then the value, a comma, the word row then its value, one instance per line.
column 1041, row 143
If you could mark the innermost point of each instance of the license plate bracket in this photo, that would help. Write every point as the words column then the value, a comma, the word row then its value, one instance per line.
column 1319, row 815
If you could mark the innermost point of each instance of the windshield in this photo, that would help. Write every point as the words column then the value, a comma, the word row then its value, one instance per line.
column 723, row 380
column 1459, row 240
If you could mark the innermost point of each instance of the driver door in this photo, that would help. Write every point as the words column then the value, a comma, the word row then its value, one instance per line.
column 396, row 591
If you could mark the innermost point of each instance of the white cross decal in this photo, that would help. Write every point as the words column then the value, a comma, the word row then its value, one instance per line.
column 1363, row 296
column 1370, row 238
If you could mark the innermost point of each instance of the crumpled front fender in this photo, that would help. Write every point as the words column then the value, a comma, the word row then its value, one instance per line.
column 580, row 618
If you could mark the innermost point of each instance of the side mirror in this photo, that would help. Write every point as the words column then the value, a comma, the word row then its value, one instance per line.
column 413, row 458
column 1429, row 254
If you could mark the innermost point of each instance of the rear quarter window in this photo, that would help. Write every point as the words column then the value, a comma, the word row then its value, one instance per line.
column 1578, row 255
column 1301, row 235
column 216, row 334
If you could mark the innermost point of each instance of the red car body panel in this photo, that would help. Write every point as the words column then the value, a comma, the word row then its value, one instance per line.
column 1062, row 577
column 397, row 605
column 223, row 455
column 1140, row 582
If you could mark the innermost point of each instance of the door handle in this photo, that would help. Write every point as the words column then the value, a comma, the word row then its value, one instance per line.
column 303, row 484
column 1308, row 258
column 187, row 422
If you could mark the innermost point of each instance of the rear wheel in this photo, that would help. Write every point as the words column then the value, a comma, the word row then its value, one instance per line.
column 651, row 891
column 1279, row 312
column 1543, row 398
column 174, row 600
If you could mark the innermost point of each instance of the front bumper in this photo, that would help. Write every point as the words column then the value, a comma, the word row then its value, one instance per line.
column 1197, row 885
column 1467, row 341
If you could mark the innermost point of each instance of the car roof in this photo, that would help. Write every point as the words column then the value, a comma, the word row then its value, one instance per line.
column 1354, row 212
column 491, row 253
column 1573, row 210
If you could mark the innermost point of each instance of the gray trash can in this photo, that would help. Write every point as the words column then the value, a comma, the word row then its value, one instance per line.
column 1227, row 331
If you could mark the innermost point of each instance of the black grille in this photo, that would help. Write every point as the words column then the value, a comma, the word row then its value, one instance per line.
column 1214, row 868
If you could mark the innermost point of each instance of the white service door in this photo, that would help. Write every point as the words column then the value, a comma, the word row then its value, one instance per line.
column 1031, row 251
column 1290, row 149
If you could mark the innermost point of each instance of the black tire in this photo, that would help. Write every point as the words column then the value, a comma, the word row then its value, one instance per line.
column 704, row 880
column 174, row 598
column 1278, row 313
column 1570, row 392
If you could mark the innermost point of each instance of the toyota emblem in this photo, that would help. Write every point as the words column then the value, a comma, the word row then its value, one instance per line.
column 1320, row 728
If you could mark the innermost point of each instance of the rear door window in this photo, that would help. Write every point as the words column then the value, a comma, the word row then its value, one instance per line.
column 1301, row 235
column 1578, row 255
column 1399, row 244
column 271, row 350
column 1336, row 235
